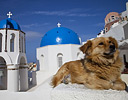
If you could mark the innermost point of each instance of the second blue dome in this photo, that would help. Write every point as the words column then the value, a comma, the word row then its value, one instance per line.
column 60, row 35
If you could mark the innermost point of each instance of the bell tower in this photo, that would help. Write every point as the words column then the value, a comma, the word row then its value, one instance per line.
column 13, row 61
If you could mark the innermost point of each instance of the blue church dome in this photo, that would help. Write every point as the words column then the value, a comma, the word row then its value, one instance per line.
column 59, row 35
column 9, row 23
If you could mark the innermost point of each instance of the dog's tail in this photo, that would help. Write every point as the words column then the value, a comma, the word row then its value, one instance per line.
column 59, row 76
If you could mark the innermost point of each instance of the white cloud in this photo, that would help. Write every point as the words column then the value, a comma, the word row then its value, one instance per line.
column 28, row 26
column 99, row 24
column 82, row 15
column 58, row 13
column 71, row 20
column 76, row 12
column 72, row 12
column 34, row 25
column 32, row 34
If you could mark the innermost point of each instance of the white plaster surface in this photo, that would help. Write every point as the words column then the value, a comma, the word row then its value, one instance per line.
column 45, row 91
column 80, row 92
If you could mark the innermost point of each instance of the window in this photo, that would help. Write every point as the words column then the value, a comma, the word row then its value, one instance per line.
column 106, row 29
column 60, row 59
column 42, row 65
column 113, row 18
column 0, row 42
column 12, row 38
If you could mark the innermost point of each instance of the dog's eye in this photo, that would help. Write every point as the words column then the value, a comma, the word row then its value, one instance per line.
column 101, row 43
column 110, row 42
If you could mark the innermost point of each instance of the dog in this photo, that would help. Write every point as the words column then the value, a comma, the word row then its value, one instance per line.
column 100, row 69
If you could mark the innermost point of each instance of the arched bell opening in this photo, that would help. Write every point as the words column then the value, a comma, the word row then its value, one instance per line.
column 3, row 74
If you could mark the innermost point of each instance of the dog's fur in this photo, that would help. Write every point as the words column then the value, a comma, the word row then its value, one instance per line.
column 100, row 69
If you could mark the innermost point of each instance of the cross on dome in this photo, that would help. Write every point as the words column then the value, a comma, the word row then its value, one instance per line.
column 9, row 14
column 58, row 24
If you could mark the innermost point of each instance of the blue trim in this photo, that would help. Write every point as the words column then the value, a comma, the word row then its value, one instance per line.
column 60, row 35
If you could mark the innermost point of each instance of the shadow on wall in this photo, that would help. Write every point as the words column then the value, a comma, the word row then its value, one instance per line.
column 32, row 81
column 38, row 64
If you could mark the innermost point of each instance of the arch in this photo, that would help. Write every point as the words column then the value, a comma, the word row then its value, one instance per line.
column 12, row 39
column 22, row 61
column 20, row 58
column 60, row 59
column 23, row 74
column 2, row 61
column 1, row 42
column 6, row 57
column 3, row 74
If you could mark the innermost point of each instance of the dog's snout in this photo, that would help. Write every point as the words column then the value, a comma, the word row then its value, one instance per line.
column 112, row 47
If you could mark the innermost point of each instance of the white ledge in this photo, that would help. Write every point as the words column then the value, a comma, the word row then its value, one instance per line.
column 80, row 92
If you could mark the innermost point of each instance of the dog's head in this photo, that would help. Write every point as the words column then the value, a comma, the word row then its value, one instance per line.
column 101, row 48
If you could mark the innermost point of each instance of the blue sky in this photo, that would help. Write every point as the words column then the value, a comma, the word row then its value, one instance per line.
column 36, row 17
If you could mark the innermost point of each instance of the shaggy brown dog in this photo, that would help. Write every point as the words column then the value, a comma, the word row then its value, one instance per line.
column 100, row 69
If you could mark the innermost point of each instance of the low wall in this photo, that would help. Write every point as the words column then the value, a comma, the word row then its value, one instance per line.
column 79, row 92
column 44, row 91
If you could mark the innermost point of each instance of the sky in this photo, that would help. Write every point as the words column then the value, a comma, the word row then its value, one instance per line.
column 36, row 17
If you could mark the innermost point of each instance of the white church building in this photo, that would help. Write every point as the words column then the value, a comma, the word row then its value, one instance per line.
column 13, row 62
column 58, row 46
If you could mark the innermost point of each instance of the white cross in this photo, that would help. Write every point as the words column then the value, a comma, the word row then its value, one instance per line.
column 9, row 14
column 58, row 24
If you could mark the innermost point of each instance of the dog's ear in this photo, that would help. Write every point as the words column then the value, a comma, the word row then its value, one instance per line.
column 86, row 46
column 113, row 40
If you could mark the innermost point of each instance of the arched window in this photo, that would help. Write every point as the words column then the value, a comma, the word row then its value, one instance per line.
column 60, row 59
column 3, row 74
column 0, row 42
column 12, row 38
column 42, row 62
